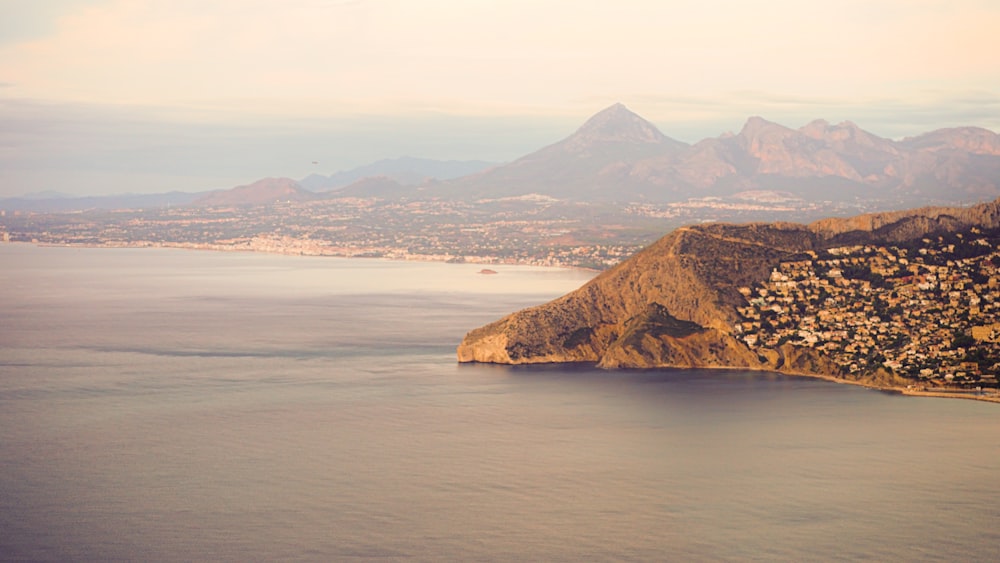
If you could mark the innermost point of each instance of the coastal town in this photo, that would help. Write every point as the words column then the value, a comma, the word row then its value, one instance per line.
column 534, row 230
column 504, row 232
column 928, row 310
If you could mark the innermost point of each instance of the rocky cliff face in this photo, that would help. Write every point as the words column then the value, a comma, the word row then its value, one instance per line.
column 674, row 303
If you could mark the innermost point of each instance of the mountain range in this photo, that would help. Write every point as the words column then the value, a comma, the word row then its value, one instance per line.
column 384, row 178
column 617, row 156
column 405, row 171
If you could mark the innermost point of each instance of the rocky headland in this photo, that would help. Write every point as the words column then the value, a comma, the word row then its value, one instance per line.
column 680, row 302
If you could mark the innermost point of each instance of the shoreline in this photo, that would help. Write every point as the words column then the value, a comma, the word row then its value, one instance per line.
column 939, row 393
column 351, row 254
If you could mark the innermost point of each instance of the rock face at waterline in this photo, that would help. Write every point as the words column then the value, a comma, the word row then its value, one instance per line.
column 674, row 304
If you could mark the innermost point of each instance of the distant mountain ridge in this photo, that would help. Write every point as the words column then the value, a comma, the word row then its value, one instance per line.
column 595, row 163
column 405, row 171
column 261, row 192
column 383, row 178
column 618, row 156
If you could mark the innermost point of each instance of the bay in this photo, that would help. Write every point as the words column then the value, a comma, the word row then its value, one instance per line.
column 169, row 405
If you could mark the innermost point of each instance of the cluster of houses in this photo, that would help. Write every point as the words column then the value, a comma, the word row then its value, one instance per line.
column 501, row 232
column 928, row 310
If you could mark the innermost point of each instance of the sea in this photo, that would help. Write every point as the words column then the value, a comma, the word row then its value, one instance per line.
column 176, row 405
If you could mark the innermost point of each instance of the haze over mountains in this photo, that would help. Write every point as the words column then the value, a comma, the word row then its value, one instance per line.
column 260, row 192
column 406, row 171
column 378, row 179
column 617, row 156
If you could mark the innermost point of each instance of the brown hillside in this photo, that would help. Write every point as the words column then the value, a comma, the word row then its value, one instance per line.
column 674, row 303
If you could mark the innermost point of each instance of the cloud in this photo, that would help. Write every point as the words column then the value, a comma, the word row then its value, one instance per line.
column 388, row 55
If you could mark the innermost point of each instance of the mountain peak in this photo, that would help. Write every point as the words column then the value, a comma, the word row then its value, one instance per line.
column 817, row 128
column 757, row 125
column 263, row 191
column 975, row 140
column 845, row 136
column 618, row 124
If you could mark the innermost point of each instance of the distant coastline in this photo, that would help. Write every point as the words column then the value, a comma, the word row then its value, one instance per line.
column 357, row 254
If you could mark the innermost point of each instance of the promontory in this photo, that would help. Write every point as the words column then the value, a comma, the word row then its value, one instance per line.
column 908, row 300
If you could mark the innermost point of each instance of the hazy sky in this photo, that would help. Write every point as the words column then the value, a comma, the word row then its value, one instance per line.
column 113, row 96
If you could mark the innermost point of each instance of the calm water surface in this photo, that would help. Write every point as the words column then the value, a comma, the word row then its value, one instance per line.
column 164, row 405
